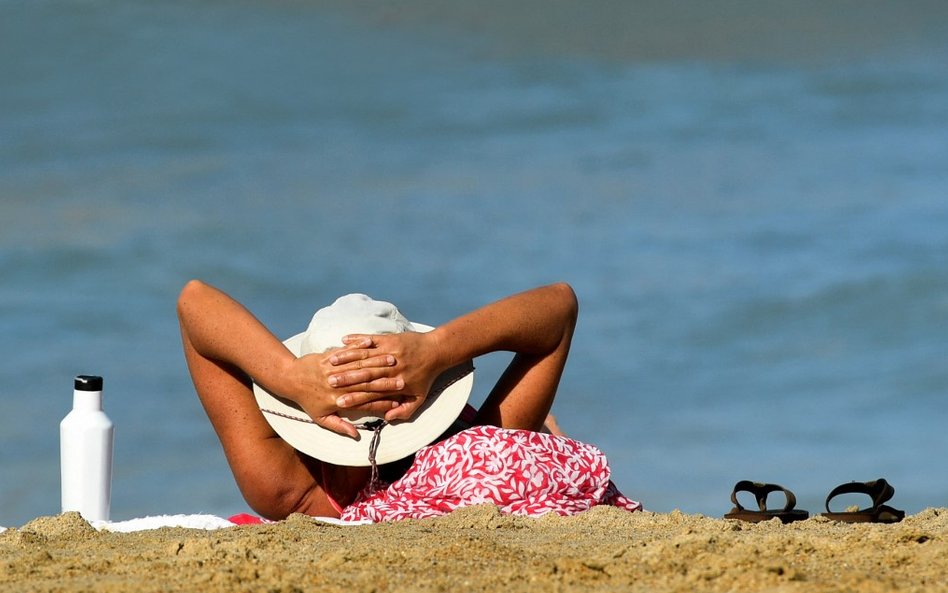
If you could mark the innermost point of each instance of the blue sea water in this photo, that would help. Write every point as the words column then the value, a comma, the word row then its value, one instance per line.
column 750, row 202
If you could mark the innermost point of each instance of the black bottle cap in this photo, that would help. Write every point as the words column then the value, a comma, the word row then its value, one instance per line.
column 88, row 383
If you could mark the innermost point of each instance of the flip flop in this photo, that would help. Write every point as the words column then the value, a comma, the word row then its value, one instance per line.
column 879, row 491
column 760, row 491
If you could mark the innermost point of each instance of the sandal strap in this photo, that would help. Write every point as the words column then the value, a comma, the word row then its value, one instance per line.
column 760, row 490
column 879, row 491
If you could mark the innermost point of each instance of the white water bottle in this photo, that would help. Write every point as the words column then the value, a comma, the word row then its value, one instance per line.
column 85, row 439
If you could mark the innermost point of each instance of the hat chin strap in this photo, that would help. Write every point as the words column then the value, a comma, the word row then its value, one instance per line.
column 376, row 427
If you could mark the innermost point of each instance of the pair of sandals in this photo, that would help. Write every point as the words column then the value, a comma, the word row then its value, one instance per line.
column 879, row 491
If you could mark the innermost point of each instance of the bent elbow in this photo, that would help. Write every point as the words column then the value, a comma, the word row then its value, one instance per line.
column 192, row 291
column 566, row 297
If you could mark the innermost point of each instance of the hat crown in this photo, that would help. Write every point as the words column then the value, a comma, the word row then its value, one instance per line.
column 351, row 314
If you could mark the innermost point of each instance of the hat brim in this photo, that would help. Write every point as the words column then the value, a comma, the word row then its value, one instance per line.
column 397, row 440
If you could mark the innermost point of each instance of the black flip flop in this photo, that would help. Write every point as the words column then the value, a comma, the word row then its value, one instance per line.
column 879, row 491
column 760, row 491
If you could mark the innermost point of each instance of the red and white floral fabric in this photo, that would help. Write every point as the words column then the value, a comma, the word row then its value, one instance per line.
column 521, row 472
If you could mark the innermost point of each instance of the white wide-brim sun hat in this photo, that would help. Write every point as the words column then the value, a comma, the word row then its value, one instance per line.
column 359, row 314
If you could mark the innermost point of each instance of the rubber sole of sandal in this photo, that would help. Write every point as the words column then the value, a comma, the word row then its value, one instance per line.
column 883, row 514
column 758, row 516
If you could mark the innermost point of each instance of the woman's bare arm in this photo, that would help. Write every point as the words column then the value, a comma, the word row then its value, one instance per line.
column 217, row 327
column 537, row 325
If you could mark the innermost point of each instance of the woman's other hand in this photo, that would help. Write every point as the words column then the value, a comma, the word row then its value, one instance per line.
column 314, row 384
column 416, row 367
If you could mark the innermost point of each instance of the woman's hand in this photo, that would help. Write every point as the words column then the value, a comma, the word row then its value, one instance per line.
column 312, row 383
column 416, row 367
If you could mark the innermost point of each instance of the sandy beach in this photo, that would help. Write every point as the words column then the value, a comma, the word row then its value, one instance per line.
column 477, row 549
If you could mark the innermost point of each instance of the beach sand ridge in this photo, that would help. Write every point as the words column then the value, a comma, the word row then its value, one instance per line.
column 478, row 549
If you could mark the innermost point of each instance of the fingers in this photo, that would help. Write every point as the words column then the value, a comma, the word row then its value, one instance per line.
column 378, row 407
column 338, row 425
column 379, row 403
column 405, row 410
column 363, row 399
column 367, row 380
column 360, row 358
column 358, row 340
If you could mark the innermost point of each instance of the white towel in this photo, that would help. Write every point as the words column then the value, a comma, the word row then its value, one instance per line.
column 206, row 522
column 159, row 521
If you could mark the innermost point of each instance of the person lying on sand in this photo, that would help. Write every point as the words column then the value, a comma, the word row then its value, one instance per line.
column 315, row 424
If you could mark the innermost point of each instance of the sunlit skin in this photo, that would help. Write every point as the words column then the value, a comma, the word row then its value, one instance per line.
column 390, row 375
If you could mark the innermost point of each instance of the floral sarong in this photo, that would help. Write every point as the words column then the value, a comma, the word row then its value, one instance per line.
column 521, row 472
